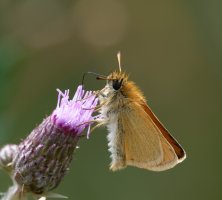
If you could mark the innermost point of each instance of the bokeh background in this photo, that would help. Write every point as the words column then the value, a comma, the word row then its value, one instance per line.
column 171, row 49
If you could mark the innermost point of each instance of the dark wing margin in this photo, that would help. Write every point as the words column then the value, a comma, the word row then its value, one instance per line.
column 176, row 146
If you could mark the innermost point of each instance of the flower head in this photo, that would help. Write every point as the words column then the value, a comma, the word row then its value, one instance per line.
column 76, row 114
column 44, row 156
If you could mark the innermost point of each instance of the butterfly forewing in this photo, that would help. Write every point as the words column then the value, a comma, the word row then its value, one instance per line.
column 176, row 146
column 145, row 146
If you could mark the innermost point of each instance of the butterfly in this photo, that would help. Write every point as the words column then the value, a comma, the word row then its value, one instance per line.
column 136, row 136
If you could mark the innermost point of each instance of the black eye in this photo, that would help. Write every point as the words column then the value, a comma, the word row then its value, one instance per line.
column 117, row 84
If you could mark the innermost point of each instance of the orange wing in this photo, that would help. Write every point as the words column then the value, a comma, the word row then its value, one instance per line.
column 145, row 145
column 176, row 146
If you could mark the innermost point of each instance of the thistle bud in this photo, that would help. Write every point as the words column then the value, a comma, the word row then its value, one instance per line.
column 7, row 154
column 44, row 157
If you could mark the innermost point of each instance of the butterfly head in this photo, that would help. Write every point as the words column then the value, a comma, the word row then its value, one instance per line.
column 116, row 80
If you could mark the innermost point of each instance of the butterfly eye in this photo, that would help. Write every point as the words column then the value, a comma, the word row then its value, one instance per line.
column 117, row 84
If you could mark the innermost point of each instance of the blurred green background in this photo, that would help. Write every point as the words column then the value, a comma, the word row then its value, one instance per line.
column 172, row 50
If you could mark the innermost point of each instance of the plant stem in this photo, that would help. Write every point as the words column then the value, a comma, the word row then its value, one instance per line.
column 14, row 193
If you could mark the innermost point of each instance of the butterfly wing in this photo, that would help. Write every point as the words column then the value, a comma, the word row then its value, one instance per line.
column 176, row 146
column 144, row 144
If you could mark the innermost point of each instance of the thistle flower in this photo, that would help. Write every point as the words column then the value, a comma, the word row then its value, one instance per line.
column 44, row 156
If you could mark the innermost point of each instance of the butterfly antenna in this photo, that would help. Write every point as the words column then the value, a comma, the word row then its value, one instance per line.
column 98, row 76
column 119, row 60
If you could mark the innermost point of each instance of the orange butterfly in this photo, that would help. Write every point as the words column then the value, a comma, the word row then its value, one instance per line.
column 136, row 136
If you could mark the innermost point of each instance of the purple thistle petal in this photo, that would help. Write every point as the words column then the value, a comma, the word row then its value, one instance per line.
column 70, row 115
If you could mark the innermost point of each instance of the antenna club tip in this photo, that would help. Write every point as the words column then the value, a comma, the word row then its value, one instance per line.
column 119, row 60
